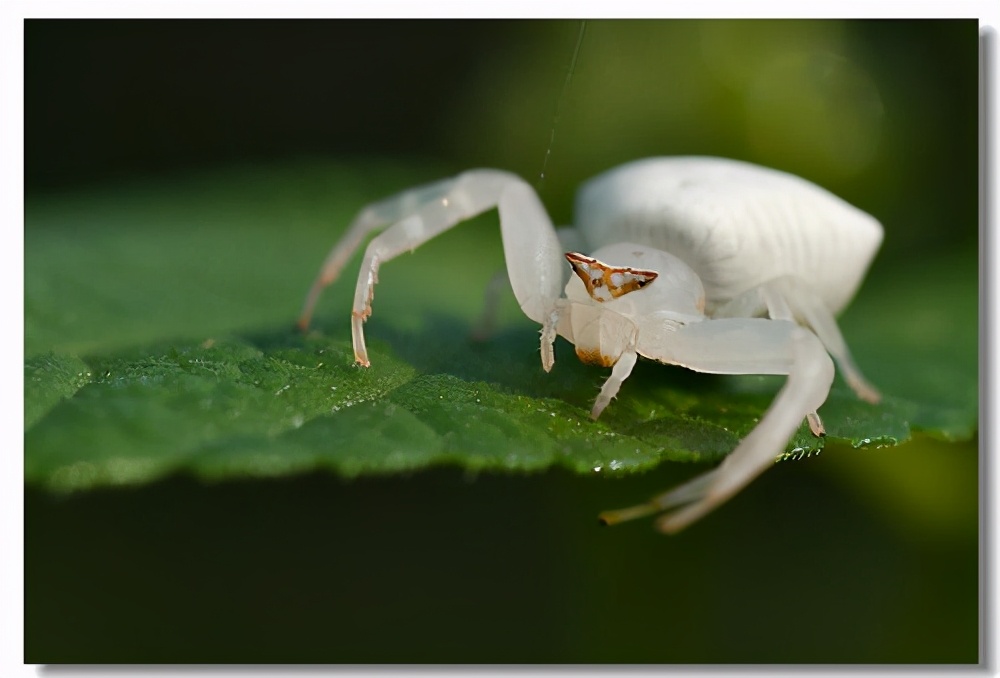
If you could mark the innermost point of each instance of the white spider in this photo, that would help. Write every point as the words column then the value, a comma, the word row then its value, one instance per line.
column 707, row 263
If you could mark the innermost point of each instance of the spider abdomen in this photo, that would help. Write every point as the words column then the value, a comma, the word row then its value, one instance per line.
column 736, row 224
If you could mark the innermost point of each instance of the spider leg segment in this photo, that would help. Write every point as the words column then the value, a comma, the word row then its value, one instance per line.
column 619, row 373
column 570, row 240
column 370, row 219
column 741, row 346
column 486, row 324
column 531, row 248
column 787, row 298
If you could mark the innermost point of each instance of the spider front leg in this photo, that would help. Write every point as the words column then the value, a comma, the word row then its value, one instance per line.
column 789, row 298
column 531, row 248
column 739, row 346
column 370, row 219
column 570, row 240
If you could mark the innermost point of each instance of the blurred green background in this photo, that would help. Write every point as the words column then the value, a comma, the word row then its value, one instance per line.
column 852, row 556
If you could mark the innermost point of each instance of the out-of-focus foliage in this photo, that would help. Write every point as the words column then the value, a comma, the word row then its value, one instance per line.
column 870, row 110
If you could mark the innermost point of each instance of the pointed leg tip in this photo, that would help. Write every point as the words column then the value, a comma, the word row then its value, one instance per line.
column 865, row 391
column 548, row 359
column 672, row 523
column 597, row 409
column 874, row 397
column 816, row 425
column 610, row 518
column 667, row 527
column 616, row 516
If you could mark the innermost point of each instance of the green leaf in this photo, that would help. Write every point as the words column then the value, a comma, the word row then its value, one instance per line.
column 159, row 339
column 48, row 379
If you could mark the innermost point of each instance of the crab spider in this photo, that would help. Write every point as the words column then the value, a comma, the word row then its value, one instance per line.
column 711, row 264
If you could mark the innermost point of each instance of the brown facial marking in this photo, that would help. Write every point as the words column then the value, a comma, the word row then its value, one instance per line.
column 616, row 280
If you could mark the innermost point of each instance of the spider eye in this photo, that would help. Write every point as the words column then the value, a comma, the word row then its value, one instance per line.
column 604, row 282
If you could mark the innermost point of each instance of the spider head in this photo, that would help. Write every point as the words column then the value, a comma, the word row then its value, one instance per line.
column 610, row 303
